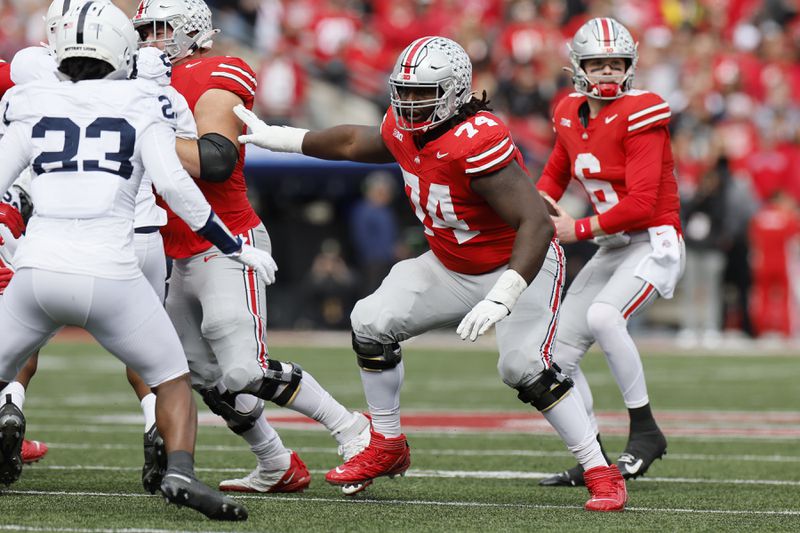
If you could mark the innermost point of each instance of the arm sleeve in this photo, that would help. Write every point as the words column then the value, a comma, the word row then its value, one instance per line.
column 556, row 173
column 643, row 167
column 16, row 149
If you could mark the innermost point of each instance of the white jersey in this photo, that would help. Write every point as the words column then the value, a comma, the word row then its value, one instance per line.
column 34, row 63
column 88, row 144
column 152, row 64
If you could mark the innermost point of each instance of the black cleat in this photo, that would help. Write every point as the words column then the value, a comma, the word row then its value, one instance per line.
column 155, row 460
column 568, row 478
column 187, row 490
column 12, row 433
column 640, row 452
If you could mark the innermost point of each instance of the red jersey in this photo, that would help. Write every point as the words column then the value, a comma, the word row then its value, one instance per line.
column 5, row 77
column 228, row 199
column 462, row 229
column 623, row 159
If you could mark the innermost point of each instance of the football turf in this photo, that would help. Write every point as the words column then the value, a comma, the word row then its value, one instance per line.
column 733, row 463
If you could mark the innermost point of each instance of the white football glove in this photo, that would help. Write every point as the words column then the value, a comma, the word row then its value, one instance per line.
column 483, row 316
column 275, row 138
column 495, row 307
column 259, row 260
column 153, row 64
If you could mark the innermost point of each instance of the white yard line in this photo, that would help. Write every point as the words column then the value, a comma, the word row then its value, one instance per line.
column 363, row 501
column 773, row 458
column 450, row 474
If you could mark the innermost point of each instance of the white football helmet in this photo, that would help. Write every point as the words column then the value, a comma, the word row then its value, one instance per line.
column 602, row 38
column 185, row 25
column 430, row 63
column 57, row 9
column 98, row 30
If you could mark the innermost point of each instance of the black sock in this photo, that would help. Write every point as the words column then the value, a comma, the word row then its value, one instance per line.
column 642, row 420
column 180, row 462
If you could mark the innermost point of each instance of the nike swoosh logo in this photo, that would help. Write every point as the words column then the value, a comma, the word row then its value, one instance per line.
column 339, row 470
column 610, row 119
column 439, row 155
column 289, row 479
column 659, row 233
column 192, row 65
column 632, row 469
column 208, row 258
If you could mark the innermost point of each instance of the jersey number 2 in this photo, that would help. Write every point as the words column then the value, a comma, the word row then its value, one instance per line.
column 64, row 160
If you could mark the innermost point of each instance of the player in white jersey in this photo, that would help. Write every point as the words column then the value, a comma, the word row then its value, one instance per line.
column 89, row 140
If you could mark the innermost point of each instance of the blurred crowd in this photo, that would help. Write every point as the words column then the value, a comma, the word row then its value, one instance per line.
column 728, row 68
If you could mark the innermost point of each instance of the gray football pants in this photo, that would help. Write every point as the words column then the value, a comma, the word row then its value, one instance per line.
column 219, row 308
column 420, row 294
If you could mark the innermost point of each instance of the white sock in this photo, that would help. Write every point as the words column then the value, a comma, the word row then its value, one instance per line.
column 148, row 404
column 582, row 386
column 610, row 330
column 382, row 390
column 264, row 441
column 569, row 419
column 17, row 392
column 315, row 402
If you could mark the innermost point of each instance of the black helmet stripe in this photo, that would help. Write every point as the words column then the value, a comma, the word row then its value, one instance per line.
column 65, row 8
column 82, row 21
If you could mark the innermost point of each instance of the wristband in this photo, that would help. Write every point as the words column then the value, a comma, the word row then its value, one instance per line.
column 507, row 289
column 583, row 229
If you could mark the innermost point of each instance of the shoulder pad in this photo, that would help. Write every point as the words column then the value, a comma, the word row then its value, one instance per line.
column 483, row 144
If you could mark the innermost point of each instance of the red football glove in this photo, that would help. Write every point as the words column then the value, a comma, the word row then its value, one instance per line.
column 13, row 219
column 5, row 278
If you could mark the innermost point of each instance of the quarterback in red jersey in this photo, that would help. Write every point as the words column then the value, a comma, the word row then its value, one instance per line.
column 218, row 307
column 493, row 258
column 614, row 141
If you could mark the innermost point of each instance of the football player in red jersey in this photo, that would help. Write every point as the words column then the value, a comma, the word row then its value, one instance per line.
column 11, row 209
column 614, row 141
column 217, row 307
column 493, row 258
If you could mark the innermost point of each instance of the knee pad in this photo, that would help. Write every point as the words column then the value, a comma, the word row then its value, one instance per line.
column 547, row 390
column 286, row 375
column 374, row 357
column 602, row 316
column 224, row 405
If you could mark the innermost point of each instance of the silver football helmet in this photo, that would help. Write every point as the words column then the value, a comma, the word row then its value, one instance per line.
column 98, row 30
column 442, row 67
column 185, row 25
column 602, row 38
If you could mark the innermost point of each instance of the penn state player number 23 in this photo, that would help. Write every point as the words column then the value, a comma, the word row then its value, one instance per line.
column 119, row 150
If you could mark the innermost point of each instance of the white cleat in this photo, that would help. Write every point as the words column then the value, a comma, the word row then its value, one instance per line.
column 295, row 478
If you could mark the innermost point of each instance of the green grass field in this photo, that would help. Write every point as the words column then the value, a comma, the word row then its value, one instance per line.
column 733, row 425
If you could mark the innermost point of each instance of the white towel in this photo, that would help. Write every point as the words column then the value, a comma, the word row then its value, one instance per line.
column 663, row 267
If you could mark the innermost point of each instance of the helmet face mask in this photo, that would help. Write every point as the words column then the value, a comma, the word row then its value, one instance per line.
column 430, row 82
column 179, row 27
column 602, row 38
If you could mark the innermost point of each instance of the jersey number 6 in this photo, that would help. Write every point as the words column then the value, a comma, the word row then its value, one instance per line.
column 64, row 161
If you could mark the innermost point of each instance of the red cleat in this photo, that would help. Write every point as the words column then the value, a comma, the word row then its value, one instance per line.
column 32, row 451
column 607, row 487
column 296, row 478
column 382, row 457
